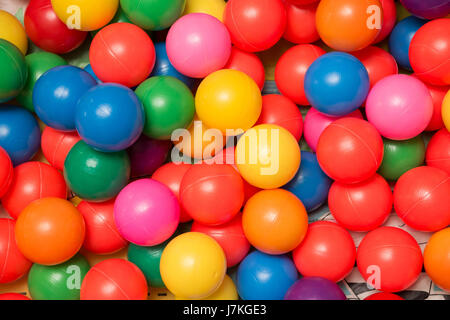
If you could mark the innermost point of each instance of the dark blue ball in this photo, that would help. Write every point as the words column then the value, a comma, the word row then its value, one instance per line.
column 336, row 84
column 20, row 135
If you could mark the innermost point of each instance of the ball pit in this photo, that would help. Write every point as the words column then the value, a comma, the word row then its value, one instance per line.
column 14, row 71
column 437, row 96
column 147, row 259
column 214, row 8
column 300, row 23
column 56, row 145
column 314, row 288
column 389, row 19
column 6, row 172
column 438, row 151
column 247, row 62
column 436, row 258
column 12, row 30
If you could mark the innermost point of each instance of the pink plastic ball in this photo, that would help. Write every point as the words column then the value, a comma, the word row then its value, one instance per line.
column 399, row 106
column 198, row 44
column 316, row 122
column 146, row 212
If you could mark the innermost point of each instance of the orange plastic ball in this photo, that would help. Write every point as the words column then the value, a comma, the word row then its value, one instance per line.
column 437, row 258
column 50, row 231
column 274, row 221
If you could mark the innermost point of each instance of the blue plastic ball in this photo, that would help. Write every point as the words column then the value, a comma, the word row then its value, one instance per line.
column 401, row 37
column 336, row 84
column 109, row 117
column 310, row 184
column 20, row 135
column 89, row 70
column 262, row 276
column 56, row 94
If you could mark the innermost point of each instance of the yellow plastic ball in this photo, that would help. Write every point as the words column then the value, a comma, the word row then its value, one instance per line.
column 214, row 8
column 446, row 110
column 12, row 30
column 85, row 15
column 228, row 99
column 193, row 265
column 226, row 291
column 267, row 156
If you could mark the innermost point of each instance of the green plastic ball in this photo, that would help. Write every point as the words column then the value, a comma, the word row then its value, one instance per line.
column 147, row 259
column 168, row 105
column 153, row 14
column 59, row 282
column 401, row 156
column 37, row 63
column 96, row 176
column 13, row 71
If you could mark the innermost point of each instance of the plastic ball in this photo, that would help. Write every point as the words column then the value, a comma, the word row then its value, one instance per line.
column 300, row 23
column 310, row 184
column 262, row 276
column 421, row 198
column 438, row 151
column 214, row 8
column 193, row 265
column 168, row 105
column 399, row 106
column 171, row 174
column 230, row 236
column 362, row 206
column 389, row 19
column 50, row 231
column 6, row 172
column 226, row 291
column 429, row 52
column 147, row 259
column 12, row 30
column 93, row 16
column 291, row 68
column 350, row 150
column 383, row 296
column 212, row 194
column 336, row 84
column 259, row 30
column 56, row 145
column 314, row 288
column 13, row 263
column 430, row 9
column 349, row 25
column 401, row 156
column 315, row 122
column 249, row 63
column 274, row 221
column 13, row 296
column 400, row 40
column 151, row 14
column 96, row 176
column 102, row 235
column 437, row 96
column 302, row 2
column 88, row 69
column 122, row 53
column 114, row 279
column 446, row 110
column 389, row 259
column 57, row 282
column 56, row 93
column 228, row 99
column 437, row 258
column 14, row 71
column 146, row 212
column 38, row 63
column 47, row 31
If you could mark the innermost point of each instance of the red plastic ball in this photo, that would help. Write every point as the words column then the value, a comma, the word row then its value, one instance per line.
column 421, row 198
column 438, row 151
column 429, row 52
column 47, row 31
column 279, row 110
column 33, row 180
column 302, row 2
column 350, row 150
column 383, row 296
column 13, row 296
column 301, row 23
column 248, row 63
column 212, row 194
column 437, row 95
column 389, row 259
column 102, row 236
column 56, row 145
column 255, row 25
column 291, row 69
column 378, row 63
column 328, row 251
column 230, row 236
column 171, row 175
column 361, row 206
column 13, row 264
column 389, row 19
column 114, row 279
column 122, row 53
column 6, row 171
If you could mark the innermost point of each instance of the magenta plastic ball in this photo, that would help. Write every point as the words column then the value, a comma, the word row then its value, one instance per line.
column 316, row 122
column 399, row 106
column 314, row 288
column 198, row 44
column 146, row 212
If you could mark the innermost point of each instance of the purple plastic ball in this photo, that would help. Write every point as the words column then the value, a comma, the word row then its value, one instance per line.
column 427, row 9
column 314, row 288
